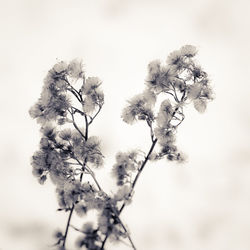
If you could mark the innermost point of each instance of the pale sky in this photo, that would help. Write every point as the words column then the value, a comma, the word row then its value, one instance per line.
column 203, row 204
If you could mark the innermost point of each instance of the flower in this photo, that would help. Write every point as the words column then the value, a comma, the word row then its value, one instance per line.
column 126, row 163
column 91, row 84
column 194, row 91
column 60, row 67
column 140, row 108
column 164, row 135
column 75, row 69
column 65, row 134
column 81, row 208
column 154, row 67
column 165, row 113
column 188, row 50
column 200, row 105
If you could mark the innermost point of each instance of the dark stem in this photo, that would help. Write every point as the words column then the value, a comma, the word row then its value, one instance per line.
column 67, row 227
column 131, row 191
column 139, row 172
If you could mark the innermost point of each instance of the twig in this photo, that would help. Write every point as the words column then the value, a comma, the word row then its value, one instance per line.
column 67, row 227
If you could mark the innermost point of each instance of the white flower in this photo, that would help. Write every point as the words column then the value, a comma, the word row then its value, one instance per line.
column 174, row 58
column 60, row 67
column 165, row 113
column 200, row 105
column 91, row 84
column 188, row 50
column 80, row 209
column 154, row 67
column 122, row 193
column 194, row 91
column 75, row 69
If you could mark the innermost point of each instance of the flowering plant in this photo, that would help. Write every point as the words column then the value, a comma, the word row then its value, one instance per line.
column 69, row 155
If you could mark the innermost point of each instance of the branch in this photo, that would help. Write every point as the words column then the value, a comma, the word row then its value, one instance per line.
column 139, row 172
column 92, row 118
column 75, row 125
column 67, row 227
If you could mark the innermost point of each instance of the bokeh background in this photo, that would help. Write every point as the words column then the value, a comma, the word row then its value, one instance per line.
column 203, row 204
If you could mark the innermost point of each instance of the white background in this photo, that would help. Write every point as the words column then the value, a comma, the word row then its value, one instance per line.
column 203, row 204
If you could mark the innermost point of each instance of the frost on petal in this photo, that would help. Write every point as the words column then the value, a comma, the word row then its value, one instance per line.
column 75, row 69
column 200, row 105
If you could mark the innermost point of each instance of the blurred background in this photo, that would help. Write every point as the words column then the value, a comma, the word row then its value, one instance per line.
column 203, row 204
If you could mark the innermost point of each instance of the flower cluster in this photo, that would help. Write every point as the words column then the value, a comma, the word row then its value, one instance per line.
column 92, row 95
column 140, row 108
column 54, row 101
column 181, row 80
column 68, row 155
column 90, row 238
column 126, row 163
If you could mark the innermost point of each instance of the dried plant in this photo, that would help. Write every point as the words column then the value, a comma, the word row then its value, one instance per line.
column 70, row 155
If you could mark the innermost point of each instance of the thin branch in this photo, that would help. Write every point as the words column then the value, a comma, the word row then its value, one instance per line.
column 75, row 125
column 92, row 118
column 67, row 227
column 73, row 90
column 139, row 172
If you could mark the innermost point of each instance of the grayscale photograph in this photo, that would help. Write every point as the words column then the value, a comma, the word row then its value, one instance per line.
column 125, row 124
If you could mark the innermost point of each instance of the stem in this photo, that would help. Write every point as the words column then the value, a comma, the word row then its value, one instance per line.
column 75, row 125
column 139, row 172
column 131, row 191
column 67, row 227
column 92, row 118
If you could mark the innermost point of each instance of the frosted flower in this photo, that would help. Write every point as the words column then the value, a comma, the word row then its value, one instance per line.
column 91, row 84
column 87, row 227
column 140, row 108
column 194, row 91
column 36, row 110
column 65, row 134
column 154, row 67
column 174, row 58
column 81, row 209
column 60, row 67
column 49, row 131
column 92, row 100
column 125, row 165
column 88, row 105
column 90, row 239
column 75, row 69
column 72, row 191
column 103, row 224
column 149, row 97
column 200, row 105
column 164, row 136
column 161, row 81
column 165, row 113
column 188, row 50
column 123, row 193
